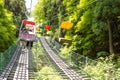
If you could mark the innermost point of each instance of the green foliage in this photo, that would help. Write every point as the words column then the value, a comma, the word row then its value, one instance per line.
column 118, row 61
column 39, row 13
column 102, row 54
column 92, row 20
column 104, row 69
column 105, row 19
column 48, row 73
column 18, row 8
column 14, row 13
column 89, row 34
column 19, row 11
column 50, row 13
column 84, row 37
column 65, row 52
column 98, row 27
column 7, row 28
column 103, row 11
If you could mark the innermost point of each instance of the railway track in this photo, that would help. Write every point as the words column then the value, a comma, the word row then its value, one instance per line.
column 21, row 72
column 17, row 69
column 8, row 69
column 20, row 65
column 48, row 61
column 60, row 63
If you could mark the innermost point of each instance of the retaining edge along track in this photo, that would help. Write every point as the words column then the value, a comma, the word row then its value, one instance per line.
column 7, row 70
column 60, row 63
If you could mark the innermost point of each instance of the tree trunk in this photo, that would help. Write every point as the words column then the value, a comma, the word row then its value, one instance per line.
column 110, row 37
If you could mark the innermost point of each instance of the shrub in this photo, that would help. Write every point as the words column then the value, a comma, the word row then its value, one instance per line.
column 102, row 54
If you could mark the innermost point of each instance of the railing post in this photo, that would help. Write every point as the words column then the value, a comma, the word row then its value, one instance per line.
column 1, row 56
column 37, row 55
column 0, row 62
column 70, row 58
column 86, row 63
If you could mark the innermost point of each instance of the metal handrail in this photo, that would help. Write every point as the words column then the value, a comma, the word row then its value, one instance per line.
column 53, row 44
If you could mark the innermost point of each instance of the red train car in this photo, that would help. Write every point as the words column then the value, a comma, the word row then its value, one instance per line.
column 27, row 33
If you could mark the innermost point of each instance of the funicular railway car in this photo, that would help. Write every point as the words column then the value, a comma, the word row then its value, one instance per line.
column 27, row 33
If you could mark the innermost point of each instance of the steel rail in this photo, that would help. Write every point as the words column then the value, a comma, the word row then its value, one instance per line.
column 59, row 62
column 21, row 72
column 17, row 69
column 9, row 67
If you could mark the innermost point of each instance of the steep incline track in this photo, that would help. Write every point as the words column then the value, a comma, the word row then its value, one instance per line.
column 22, row 67
column 60, row 63
column 17, row 69
column 9, row 67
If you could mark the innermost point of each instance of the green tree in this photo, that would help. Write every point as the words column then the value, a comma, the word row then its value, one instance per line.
column 95, row 22
column 7, row 28
column 48, row 12
column 105, row 15
column 18, row 8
